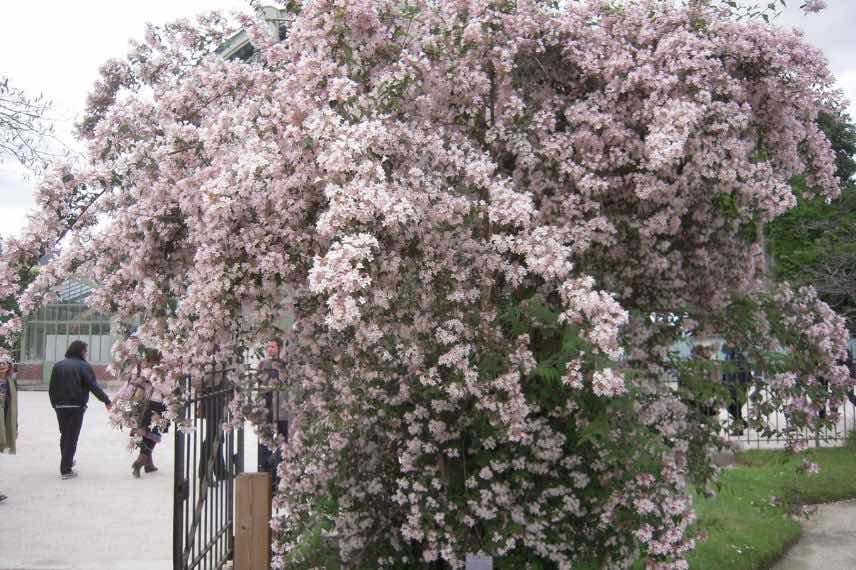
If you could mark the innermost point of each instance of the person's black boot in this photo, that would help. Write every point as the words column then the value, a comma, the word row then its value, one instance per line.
column 138, row 464
column 149, row 464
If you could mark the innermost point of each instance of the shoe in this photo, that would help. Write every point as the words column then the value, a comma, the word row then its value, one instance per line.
column 69, row 475
column 137, row 465
column 3, row 498
column 150, row 465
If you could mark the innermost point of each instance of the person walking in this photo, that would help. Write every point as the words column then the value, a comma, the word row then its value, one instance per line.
column 272, row 372
column 8, row 408
column 151, row 401
column 851, row 368
column 736, row 379
column 72, row 379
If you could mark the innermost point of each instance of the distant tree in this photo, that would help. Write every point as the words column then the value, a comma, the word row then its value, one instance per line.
column 815, row 243
column 25, row 129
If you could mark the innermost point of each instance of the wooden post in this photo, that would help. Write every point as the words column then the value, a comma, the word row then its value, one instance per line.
column 252, row 521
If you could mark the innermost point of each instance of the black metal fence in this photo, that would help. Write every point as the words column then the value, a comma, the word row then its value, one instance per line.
column 842, row 420
column 208, row 458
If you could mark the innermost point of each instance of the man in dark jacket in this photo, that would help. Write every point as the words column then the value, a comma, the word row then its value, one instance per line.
column 272, row 371
column 72, row 380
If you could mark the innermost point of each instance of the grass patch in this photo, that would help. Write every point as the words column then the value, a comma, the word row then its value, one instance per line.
column 748, row 529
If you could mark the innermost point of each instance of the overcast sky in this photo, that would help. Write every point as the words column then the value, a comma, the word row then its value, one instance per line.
column 55, row 48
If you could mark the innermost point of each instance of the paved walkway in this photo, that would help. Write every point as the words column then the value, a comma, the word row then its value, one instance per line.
column 102, row 520
column 98, row 521
column 828, row 541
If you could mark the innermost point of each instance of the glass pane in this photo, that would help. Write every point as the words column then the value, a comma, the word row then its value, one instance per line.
column 94, row 350
column 27, row 350
column 39, row 346
column 35, row 347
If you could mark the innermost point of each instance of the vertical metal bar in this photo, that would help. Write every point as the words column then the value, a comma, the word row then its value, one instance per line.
column 218, row 495
column 205, row 492
column 178, row 498
column 220, row 483
column 227, row 499
column 237, row 467
column 225, row 504
column 206, row 509
column 212, row 488
column 193, row 477
column 218, row 507
column 189, row 465
column 218, row 504
column 230, row 475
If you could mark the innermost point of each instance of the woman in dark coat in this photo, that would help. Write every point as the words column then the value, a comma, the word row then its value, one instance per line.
column 152, row 410
column 8, row 408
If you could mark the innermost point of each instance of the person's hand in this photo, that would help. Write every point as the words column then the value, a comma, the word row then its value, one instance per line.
column 108, row 406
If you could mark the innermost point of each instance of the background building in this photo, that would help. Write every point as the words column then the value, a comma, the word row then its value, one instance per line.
column 48, row 332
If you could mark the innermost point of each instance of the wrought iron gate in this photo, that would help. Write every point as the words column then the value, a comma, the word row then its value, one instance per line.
column 208, row 457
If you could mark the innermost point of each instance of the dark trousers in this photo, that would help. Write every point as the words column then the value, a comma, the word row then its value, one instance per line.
column 270, row 460
column 735, row 406
column 213, row 433
column 151, row 434
column 70, row 421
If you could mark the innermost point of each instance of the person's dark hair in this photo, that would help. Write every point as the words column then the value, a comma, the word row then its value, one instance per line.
column 277, row 340
column 151, row 355
column 76, row 349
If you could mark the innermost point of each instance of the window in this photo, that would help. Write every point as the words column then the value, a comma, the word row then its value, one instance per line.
column 51, row 329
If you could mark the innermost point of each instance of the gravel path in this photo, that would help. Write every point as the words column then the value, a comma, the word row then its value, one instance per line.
column 828, row 541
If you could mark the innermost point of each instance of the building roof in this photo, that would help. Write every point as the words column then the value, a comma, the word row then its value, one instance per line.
column 239, row 46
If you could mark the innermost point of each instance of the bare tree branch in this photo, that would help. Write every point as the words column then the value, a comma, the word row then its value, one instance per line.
column 26, row 133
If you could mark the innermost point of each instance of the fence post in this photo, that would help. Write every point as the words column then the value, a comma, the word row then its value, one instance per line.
column 252, row 528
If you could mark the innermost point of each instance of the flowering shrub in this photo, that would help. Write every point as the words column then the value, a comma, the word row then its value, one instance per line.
column 491, row 221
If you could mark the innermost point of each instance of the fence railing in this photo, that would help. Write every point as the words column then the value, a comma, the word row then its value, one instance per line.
column 842, row 418
column 208, row 458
